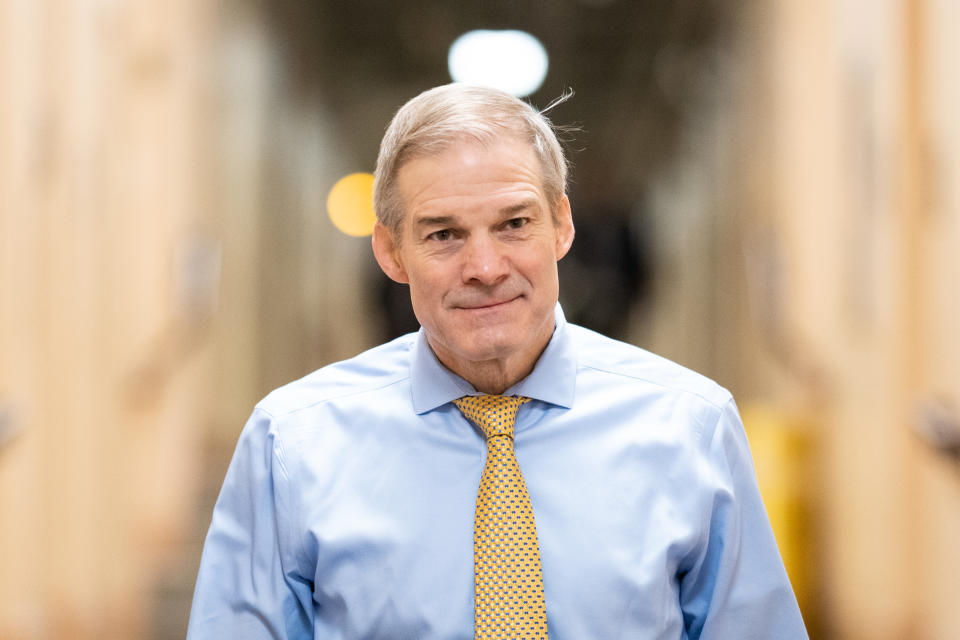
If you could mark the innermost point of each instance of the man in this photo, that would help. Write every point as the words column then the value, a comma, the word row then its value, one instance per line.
column 501, row 473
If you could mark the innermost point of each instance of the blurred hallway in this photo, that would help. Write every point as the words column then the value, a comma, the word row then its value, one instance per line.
column 765, row 192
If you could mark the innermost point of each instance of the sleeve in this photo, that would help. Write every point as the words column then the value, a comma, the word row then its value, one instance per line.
column 736, row 585
column 248, row 585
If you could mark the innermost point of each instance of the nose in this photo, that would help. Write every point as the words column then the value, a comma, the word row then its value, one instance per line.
column 484, row 261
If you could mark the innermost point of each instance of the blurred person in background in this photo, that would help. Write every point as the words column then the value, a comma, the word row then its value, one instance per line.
column 501, row 473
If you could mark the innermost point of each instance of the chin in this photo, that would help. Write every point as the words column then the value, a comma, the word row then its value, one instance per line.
column 491, row 352
column 495, row 349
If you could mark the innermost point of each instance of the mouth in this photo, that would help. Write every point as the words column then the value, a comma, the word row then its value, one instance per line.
column 487, row 305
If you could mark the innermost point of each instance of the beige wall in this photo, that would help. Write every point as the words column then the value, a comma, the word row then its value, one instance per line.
column 104, row 368
column 872, row 259
column 826, row 275
column 165, row 260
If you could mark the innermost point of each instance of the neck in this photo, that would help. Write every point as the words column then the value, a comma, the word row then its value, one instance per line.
column 493, row 377
column 496, row 375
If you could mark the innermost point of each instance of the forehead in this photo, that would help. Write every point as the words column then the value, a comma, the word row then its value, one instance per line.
column 469, row 170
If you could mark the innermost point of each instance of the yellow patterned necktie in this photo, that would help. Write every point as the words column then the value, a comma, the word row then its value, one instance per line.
column 508, row 582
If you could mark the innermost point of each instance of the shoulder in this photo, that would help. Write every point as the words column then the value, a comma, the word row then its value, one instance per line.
column 616, row 362
column 373, row 370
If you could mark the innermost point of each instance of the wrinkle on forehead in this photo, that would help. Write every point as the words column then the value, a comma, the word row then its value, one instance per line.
column 469, row 175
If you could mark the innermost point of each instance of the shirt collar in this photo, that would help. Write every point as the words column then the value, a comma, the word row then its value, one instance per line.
column 552, row 380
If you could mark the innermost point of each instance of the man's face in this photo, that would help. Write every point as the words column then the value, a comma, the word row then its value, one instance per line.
column 479, row 249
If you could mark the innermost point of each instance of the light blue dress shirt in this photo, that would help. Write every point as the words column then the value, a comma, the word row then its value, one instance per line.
column 347, row 511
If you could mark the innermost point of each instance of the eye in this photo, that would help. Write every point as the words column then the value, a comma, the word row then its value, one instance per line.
column 517, row 223
column 442, row 235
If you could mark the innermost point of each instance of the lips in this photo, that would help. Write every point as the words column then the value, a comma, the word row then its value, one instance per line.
column 479, row 305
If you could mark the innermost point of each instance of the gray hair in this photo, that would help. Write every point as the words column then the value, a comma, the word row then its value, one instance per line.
column 431, row 122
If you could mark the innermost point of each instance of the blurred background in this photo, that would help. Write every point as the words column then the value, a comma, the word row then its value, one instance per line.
column 765, row 191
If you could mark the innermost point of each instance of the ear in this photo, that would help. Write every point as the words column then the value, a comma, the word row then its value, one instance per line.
column 564, row 226
column 387, row 253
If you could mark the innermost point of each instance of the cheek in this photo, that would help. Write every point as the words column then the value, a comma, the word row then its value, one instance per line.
column 541, row 270
column 427, row 289
column 426, row 281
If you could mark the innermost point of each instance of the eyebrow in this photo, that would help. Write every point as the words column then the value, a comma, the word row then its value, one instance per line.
column 442, row 221
column 434, row 221
column 523, row 205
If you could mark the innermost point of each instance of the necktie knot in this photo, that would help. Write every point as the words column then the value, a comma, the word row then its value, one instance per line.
column 495, row 415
